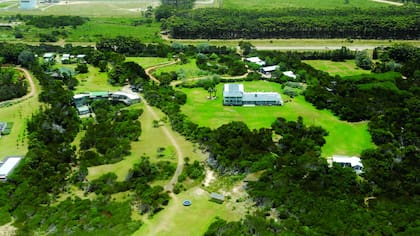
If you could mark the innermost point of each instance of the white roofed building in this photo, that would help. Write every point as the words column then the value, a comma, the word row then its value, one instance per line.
column 346, row 161
column 8, row 165
column 255, row 60
column 235, row 95
column 289, row 74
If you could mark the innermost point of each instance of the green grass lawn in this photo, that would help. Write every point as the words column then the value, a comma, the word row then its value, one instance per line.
column 15, row 143
column 324, row 4
column 344, row 137
column 93, row 80
column 346, row 68
column 190, row 69
column 176, row 219
column 147, row 62
column 97, row 28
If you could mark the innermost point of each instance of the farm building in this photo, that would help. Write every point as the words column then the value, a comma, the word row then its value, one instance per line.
column 217, row 197
column 289, row 74
column 235, row 95
column 255, row 60
column 8, row 165
column 127, row 98
column 49, row 56
column 28, row 4
column 346, row 161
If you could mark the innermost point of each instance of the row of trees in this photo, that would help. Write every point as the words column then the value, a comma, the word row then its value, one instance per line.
column 373, row 23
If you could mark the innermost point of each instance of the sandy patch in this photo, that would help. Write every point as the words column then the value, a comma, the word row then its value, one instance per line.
column 209, row 177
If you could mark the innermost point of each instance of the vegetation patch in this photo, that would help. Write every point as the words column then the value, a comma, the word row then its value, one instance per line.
column 212, row 113
column 346, row 68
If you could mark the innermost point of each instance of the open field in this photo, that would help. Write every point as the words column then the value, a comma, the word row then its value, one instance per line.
column 147, row 62
column 177, row 220
column 189, row 70
column 97, row 28
column 344, row 137
column 321, row 4
column 346, row 68
column 92, row 8
column 16, row 143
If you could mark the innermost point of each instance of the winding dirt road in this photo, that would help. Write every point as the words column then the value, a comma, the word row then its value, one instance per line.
column 180, row 165
column 28, row 76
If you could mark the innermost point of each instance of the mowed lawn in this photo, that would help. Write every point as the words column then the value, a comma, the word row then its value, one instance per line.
column 346, row 68
column 178, row 220
column 16, row 143
column 321, row 4
column 344, row 138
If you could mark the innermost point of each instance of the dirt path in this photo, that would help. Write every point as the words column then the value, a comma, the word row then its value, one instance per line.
column 170, row 185
column 389, row 2
column 150, row 70
column 28, row 76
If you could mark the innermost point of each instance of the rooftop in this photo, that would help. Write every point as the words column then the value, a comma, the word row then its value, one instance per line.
column 269, row 68
column 128, row 95
column 233, row 90
column 9, row 164
column 261, row 96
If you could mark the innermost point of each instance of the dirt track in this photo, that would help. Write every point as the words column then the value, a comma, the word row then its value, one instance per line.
column 28, row 76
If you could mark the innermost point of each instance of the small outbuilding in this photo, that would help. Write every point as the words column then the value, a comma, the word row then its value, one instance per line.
column 8, row 165
column 255, row 60
column 289, row 74
column 217, row 197
column 346, row 161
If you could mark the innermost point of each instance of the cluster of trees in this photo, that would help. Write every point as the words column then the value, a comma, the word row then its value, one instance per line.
column 224, row 64
column 372, row 23
column 54, row 21
column 129, row 46
column 126, row 72
column 12, row 84
column 108, row 139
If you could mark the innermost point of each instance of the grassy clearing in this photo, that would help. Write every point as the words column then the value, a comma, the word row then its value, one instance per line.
column 344, row 137
column 147, row 62
column 97, row 28
column 319, row 4
column 189, row 70
column 346, row 68
column 92, row 81
column 176, row 219
column 150, row 140
column 15, row 143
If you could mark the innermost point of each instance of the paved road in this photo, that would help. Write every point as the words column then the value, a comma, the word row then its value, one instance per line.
column 28, row 76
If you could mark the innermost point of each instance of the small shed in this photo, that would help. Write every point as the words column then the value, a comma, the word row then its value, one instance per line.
column 8, row 165
column 217, row 197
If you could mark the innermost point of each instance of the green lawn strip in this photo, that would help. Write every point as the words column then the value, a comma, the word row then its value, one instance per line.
column 15, row 143
column 346, row 68
column 190, row 69
column 299, row 42
column 344, row 137
column 177, row 219
column 147, row 62
column 319, row 4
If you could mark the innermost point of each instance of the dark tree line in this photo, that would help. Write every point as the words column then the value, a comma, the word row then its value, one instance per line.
column 381, row 23
column 54, row 21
